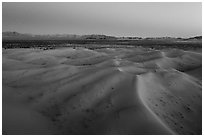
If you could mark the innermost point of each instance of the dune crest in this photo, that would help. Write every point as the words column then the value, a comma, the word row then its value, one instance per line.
column 103, row 91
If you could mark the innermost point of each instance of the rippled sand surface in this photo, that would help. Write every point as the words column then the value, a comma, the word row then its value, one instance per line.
column 104, row 91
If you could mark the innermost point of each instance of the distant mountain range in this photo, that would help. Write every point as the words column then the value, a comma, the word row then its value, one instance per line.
column 20, row 36
column 24, row 36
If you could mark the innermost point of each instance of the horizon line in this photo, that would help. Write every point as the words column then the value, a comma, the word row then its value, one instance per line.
column 101, row 34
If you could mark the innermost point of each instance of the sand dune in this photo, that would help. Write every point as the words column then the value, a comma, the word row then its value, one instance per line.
column 104, row 91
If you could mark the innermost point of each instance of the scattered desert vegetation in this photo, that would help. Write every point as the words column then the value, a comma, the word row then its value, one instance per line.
column 18, row 40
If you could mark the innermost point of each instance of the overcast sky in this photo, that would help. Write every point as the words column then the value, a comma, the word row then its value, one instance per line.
column 117, row 19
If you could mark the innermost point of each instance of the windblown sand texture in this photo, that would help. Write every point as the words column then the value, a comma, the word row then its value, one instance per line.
column 103, row 91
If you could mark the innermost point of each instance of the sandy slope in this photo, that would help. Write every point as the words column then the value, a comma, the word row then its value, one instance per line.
column 106, row 91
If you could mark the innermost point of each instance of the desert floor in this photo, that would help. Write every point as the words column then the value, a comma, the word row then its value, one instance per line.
column 103, row 91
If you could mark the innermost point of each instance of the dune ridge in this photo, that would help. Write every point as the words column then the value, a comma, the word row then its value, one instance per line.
column 103, row 91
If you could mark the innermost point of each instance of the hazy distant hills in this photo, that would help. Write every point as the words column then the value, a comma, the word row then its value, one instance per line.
column 19, row 36
column 24, row 36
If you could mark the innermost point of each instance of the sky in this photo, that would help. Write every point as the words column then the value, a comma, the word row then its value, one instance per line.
column 115, row 19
